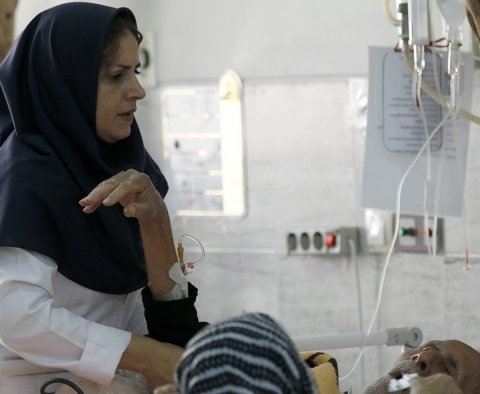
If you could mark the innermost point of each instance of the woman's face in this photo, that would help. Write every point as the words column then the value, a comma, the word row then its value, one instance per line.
column 118, row 92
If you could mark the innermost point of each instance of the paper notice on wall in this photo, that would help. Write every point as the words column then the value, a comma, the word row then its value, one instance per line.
column 396, row 132
column 203, row 143
column 404, row 130
column 192, row 142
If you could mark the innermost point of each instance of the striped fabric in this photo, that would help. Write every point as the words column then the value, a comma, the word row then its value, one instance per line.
column 249, row 354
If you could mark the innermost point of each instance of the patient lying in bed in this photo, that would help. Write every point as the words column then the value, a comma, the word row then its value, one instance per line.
column 443, row 367
column 251, row 354
column 252, row 351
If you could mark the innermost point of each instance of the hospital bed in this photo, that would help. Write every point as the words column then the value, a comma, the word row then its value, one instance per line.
column 410, row 337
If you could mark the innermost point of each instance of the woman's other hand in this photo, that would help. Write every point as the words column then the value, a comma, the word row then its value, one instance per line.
column 133, row 190
column 155, row 360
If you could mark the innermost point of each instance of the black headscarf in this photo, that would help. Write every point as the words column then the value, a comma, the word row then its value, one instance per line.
column 250, row 353
column 51, row 157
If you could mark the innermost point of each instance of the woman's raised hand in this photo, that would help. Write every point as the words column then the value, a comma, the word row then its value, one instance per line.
column 133, row 190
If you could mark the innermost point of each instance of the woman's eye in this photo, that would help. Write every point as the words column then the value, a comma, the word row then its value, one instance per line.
column 117, row 77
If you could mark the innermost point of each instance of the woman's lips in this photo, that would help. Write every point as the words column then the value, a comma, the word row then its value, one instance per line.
column 128, row 117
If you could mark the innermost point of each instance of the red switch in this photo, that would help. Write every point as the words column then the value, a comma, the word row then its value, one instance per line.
column 331, row 240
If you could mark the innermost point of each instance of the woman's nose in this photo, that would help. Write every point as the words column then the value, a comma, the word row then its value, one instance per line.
column 136, row 90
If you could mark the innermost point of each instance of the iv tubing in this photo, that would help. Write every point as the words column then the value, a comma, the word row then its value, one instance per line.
column 461, row 179
column 427, row 190
column 392, row 244
column 432, row 242
column 354, row 260
column 417, row 82
column 186, row 268
column 431, row 91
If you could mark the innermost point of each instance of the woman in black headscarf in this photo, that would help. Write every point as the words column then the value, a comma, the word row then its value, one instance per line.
column 248, row 354
column 83, row 225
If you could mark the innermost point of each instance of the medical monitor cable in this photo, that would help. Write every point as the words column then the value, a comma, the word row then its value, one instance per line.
column 392, row 244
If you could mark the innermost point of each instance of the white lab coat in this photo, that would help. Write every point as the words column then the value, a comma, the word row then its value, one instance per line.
column 51, row 321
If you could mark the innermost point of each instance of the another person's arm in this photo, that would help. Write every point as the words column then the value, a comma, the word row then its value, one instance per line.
column 38, row 331
column 155, row 360
column 47, row 335
column 135, row 192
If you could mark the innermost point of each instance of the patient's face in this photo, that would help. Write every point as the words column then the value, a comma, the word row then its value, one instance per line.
column 450, row 357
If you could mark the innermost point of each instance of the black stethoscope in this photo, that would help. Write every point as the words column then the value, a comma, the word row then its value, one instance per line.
column 61, row 381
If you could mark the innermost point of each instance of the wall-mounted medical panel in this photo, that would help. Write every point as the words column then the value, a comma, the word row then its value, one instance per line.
column 415, row 234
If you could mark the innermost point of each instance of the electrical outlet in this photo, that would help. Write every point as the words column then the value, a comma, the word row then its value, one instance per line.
column 323, row 242
column 413, row 238
column 305, row 242
column 378, row 230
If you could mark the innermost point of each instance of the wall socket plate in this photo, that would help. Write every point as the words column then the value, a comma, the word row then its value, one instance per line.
column 412, row 236
column 380, row 226
column 335, row 242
